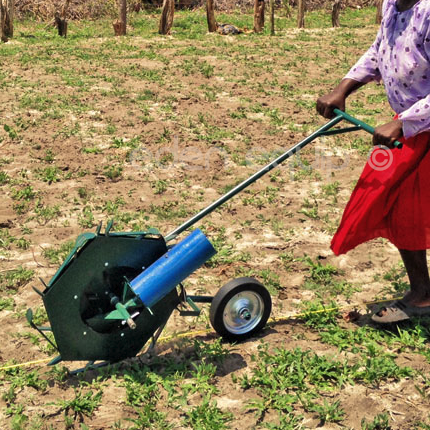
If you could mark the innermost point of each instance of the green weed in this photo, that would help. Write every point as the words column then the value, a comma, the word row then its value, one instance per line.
column 169, row 210
column 271, row 281
column 324, row 278
column 420, row 425
column 327, row 412
column 7, row 240
column 142, row 390
column 12, row 133
column 331, row 190
column 7, row 304
column 4, row 178
column 40, row 316
column 380, row 422
column 125, row 143
column 112, row 206
column 49, row 156
column 322, row 274
column 27, row 193
column 318, row 315
column 113, row 172
column 150, row 418
column 379, row 368
column 159, row 186
column 91, row 150
column 19, row 419
column 284, row 378
column 11, row 280
column 44, row 214
column 226, row 253
column 396, row 276
column 17, row 379
column 287, row 421
column 83, row 404
column 215, row 351
column 207, row 416
column 83, row 193
column 86, row 219
column 49, row 174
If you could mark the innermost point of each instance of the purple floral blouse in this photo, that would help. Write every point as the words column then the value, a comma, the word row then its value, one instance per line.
column 400, row 57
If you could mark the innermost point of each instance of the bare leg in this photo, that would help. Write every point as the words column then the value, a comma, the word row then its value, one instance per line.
column 416, row 266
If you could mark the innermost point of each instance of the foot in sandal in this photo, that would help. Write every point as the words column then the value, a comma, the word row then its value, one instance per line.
column 399, row 311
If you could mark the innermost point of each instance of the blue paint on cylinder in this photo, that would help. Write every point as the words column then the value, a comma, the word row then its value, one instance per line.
column 172, row 268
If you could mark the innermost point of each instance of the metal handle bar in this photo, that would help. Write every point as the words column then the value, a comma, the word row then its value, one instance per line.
column 362, row 125
column 322, row 131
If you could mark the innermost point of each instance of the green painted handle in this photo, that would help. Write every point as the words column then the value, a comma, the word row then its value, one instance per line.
column 362, row 125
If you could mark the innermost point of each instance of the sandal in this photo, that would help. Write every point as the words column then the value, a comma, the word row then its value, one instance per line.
column 399, row 311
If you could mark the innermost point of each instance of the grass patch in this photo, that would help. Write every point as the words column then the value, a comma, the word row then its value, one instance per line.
column 11, row 280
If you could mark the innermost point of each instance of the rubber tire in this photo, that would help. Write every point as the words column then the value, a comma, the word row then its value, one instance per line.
column 223, row 296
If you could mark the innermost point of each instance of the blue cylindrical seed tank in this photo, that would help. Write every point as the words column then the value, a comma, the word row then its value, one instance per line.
column 172, row 268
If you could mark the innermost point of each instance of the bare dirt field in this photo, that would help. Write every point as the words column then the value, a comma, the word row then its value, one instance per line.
column 146, row 131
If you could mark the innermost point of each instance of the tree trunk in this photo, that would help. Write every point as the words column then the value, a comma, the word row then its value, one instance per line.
column 210, row 14
column 272, row 17
column 335, row 13
column 2, row 22
column 301, row 14
column 9, row 18
column 6, row 19
column 378, row 4
column 61, row 25
column 166, row 20
column 120, row 26
column 60, row 20
column 258, row 16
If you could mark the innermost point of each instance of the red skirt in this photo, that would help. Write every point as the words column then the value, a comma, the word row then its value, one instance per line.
column 391, row 199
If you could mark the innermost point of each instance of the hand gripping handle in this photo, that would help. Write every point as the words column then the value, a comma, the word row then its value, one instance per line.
column 362, row 125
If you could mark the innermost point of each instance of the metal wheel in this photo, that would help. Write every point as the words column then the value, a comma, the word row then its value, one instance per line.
column 240, row 309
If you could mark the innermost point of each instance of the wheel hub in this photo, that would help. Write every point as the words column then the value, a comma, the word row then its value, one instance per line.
column 243, row 312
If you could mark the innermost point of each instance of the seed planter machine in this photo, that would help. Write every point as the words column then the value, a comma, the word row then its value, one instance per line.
column 116, row 291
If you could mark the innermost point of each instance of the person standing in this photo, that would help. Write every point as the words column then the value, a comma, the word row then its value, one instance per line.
column 394, row 202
